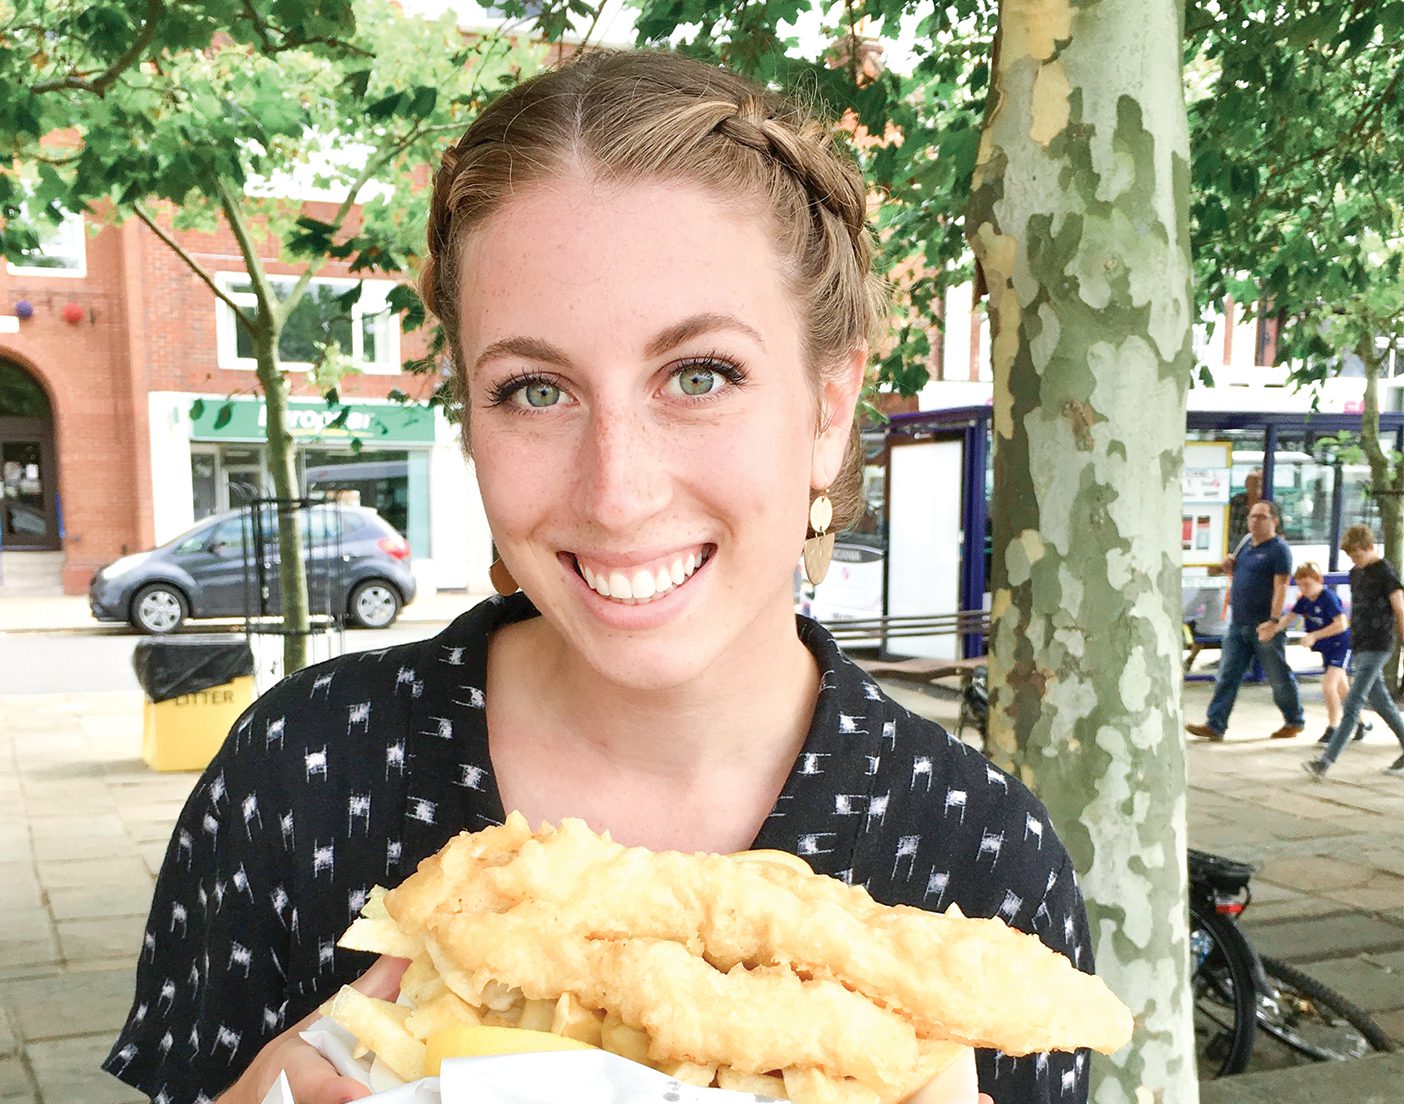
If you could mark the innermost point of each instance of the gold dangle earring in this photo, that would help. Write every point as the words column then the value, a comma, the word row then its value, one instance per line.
column 819, row 549
column 502, row 580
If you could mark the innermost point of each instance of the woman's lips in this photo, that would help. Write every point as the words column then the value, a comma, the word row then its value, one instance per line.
column 645, row 582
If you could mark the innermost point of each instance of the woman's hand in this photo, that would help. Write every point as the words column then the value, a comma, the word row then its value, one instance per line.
column 956, row 1084
column 312, row 1078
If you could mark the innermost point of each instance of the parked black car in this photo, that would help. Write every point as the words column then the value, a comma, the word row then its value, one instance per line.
column 209, row 571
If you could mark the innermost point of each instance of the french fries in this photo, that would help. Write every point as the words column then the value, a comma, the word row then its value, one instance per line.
column 380, row 1025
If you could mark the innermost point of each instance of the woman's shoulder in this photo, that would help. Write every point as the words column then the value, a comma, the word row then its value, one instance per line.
column 355, row 707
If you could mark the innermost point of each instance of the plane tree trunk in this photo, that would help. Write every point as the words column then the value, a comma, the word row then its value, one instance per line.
column 1079, row 222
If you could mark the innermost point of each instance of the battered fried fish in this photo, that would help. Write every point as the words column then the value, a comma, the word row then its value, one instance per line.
column 758, row 970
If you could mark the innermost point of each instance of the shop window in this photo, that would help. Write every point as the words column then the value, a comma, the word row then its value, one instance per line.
column 376, row 478
column 367, row 330
column 61, row 251
column 1303, row 488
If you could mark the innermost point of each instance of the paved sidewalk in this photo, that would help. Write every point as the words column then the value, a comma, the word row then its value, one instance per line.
column 84, row 824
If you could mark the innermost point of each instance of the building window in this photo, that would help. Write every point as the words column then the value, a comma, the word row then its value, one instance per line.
column 365, row 330
column 61, row 251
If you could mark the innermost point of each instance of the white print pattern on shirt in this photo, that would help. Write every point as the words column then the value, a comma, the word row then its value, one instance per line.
column 809, row 762
column 991, row 843
column 955, row 799
column 358, row 807
column 816, row 843
column 273, row 734
column 470, row 777
column 921, row 769
column 1033, row 827
column 395, row 759
column 315, row 764
column 936, row 883
column 475, row 698
column 906, row 849
column 249, row 807
column 877, row 811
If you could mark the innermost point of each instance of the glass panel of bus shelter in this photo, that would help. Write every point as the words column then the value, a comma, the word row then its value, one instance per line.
column 1303, row 486
column 1203, row 596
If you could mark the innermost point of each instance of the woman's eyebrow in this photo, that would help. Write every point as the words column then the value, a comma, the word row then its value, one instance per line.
column 528, row 348
column 697, row 325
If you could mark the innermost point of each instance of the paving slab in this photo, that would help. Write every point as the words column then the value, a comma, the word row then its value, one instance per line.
column 1314, row 940
column 117, row 937
column 1380, row 894
column 68, row 1070
column 46, row 1008
column 1315, row 873
column 1370, row 983
column 1373, row 1080
column 92, row 902
column 16, row 1086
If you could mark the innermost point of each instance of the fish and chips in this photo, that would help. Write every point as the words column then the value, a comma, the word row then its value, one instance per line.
column 747, row 971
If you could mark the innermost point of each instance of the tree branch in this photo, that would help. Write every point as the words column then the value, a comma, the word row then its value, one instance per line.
column 192, row 264
column 253, row 264
column 100, row 84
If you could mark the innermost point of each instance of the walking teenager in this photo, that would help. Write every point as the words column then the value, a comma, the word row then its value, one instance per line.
column 1377, row 611
column 1260, row 568
column 1328, row 635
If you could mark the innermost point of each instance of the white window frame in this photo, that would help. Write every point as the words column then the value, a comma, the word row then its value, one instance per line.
column 372, row 301
column 67, row 242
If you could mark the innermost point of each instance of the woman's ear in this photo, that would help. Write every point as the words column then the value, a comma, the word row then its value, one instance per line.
column 838, row 399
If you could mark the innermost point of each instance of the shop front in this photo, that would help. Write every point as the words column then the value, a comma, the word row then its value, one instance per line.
column 210, row 454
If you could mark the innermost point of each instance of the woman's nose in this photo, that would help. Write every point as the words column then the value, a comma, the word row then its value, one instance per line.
column 623, row 477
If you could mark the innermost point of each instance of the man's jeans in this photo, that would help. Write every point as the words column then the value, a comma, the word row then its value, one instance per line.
column 1240, row 645
column 1366, row 684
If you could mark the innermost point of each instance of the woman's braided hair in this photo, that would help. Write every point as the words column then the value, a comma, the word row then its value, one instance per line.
column 641, row 115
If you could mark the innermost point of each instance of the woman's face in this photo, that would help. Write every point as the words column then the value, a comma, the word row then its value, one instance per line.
column 644, row 428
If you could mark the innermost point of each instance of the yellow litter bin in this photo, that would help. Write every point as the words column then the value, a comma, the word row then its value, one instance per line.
column 196, row 687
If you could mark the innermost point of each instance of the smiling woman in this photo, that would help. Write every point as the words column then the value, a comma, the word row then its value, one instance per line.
column 657, row 283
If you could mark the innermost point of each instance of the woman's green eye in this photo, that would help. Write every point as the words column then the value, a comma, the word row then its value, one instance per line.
column 697, row 380
column 542, row 394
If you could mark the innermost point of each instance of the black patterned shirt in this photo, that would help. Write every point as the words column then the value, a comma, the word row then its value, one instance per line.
column 346, row 775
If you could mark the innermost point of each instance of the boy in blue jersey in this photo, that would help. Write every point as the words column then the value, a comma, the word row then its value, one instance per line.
column 1328, row 635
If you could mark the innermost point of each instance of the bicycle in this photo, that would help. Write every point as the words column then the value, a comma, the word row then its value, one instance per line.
column 1239, row 994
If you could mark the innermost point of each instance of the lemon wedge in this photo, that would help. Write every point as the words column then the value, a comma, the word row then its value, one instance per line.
column 475, row 1041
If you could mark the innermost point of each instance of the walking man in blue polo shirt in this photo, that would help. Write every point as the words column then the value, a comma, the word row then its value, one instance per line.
column 1260, row 567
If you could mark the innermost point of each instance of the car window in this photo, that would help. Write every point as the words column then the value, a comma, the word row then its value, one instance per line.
column 230, row 533
column 196, row 541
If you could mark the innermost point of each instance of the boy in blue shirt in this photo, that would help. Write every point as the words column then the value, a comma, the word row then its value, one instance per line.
column 1328, row 635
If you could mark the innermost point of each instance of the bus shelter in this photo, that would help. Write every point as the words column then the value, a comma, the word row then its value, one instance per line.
column 923, row 544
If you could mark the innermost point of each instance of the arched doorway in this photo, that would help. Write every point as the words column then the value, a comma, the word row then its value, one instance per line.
column 29, row 516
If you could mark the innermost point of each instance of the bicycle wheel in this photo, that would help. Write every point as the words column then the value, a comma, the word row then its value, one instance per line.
column 1313, row 1019
column 1224, row 994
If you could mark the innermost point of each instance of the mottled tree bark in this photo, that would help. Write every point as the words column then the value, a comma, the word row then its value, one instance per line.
column 1386, row 480
column 1079, row 221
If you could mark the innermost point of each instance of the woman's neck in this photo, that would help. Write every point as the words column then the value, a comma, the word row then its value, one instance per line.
column 750, row 710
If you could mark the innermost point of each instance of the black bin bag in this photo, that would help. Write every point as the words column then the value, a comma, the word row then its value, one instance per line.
column 171, row 667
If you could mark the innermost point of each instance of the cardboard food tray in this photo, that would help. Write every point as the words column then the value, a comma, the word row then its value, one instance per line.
column 579, row 1076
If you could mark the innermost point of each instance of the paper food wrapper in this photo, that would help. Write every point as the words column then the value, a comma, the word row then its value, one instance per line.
column 580, row 1076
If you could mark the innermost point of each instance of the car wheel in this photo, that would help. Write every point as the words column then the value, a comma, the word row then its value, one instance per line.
column 374, row 604
column 158, row 609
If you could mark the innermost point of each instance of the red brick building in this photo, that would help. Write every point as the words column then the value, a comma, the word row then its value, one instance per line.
column 106, row 341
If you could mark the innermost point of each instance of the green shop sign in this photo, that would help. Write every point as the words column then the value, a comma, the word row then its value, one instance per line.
column 313, row 420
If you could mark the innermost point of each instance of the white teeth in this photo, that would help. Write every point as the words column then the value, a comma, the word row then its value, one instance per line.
column 641, row 584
